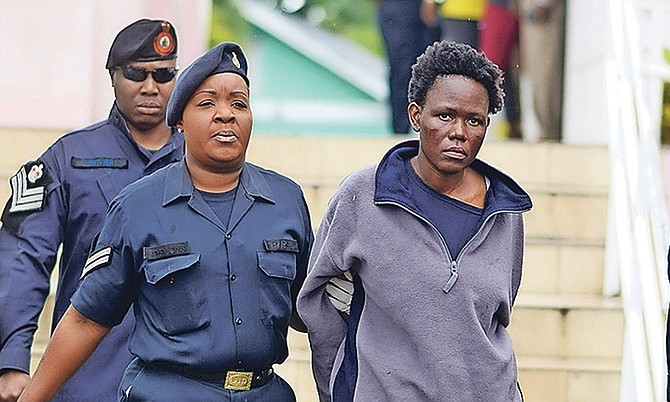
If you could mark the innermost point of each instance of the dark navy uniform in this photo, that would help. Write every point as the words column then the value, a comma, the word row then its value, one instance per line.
column 61, row 199
column 211, row 297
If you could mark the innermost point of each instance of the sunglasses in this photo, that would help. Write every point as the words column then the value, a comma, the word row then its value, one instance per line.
column 139, row 74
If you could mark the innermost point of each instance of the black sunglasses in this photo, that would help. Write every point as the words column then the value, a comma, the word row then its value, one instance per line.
column 139, row 74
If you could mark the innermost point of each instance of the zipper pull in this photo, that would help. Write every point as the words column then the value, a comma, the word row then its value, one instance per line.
column 452, row 278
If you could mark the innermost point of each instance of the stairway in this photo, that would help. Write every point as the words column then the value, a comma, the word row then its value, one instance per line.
column 568, row 338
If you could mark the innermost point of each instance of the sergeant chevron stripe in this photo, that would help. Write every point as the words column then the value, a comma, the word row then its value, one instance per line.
column 24, row 198
column 97, row 259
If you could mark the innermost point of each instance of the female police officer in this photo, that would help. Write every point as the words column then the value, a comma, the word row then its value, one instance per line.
column 210, row 252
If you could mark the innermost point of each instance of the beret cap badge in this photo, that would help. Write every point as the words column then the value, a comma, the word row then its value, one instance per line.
column 236, row 61
column 143, row 40
column 163, row 43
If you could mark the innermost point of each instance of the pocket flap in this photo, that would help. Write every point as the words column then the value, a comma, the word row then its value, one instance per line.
column 155, row 270
column 277, row 265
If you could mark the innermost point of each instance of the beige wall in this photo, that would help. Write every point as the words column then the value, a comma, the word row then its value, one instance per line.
column 52, row 73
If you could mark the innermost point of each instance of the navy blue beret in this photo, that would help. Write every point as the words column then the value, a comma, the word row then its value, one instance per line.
column 225, row 57
column 143, row 40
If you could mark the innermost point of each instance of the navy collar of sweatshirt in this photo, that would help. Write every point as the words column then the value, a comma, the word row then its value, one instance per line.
column 392, row 182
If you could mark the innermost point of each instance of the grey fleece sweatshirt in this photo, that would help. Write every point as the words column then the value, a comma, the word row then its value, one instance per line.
column 409, row 337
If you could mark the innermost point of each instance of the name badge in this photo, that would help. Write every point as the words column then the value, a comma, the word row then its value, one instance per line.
column 101, row 162
column 166, row 251
column 289, row 245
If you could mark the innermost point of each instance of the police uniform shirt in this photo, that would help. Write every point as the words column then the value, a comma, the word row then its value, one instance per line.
column 63, row 197
column 163, row 248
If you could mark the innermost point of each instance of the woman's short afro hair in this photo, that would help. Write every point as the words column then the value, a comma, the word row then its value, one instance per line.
column 450, row 58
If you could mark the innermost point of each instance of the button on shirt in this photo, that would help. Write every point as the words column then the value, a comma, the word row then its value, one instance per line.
column 83, row 171
column 167, row 255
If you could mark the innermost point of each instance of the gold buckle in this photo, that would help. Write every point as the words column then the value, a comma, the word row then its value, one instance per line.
column 238, row 380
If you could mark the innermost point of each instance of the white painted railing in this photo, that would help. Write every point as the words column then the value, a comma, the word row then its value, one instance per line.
column 637, row 243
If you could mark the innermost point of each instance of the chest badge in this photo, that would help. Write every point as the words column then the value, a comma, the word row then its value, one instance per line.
column 287, row 245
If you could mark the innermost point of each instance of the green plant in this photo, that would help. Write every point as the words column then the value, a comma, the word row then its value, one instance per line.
column 665, row 116
column 227, row 25
column 353, row 19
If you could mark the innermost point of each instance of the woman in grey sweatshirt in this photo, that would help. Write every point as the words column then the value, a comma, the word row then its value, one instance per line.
column 418, row 259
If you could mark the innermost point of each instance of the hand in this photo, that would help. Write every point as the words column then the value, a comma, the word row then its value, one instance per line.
column 340, row 291
column 12, row 383
column 428, row 13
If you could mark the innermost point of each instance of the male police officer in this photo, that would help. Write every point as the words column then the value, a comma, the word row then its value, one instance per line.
column 61, row 199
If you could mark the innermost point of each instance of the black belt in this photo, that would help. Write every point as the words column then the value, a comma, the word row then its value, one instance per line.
column 232, row 380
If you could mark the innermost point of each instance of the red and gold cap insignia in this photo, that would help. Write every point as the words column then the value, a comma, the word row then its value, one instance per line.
column 163, row 42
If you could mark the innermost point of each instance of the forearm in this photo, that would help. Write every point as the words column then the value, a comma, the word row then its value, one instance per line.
column 20, row 306
column 27, row 259
column 75, row 338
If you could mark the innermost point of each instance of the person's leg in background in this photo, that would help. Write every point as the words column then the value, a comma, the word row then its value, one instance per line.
column 512, row 106
column 461, row 31
column 405, row 37
column 542, row 49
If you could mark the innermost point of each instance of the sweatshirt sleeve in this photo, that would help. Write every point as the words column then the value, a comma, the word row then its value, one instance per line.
column 518, row 249
column 325, row 325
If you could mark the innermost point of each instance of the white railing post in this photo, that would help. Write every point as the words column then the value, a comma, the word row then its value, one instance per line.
column 637, row 237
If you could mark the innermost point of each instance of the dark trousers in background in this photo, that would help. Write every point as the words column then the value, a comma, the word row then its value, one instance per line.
column 405, row 37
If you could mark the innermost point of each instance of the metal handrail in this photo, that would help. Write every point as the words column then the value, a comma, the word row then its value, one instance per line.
column 638, row 227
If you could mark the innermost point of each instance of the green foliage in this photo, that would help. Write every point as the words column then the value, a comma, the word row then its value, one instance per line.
column 353, row 19
column 666, row 54
column 665, row 116
column 227, row 24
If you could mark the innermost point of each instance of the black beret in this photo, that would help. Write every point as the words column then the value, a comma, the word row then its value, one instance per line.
column 225, row 57
column 143, row 40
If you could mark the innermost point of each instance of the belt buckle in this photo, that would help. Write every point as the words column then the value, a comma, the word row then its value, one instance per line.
column 238, row 380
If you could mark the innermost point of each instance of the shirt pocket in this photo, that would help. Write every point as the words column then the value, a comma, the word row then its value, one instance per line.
column 277, row 271
column 175, row 300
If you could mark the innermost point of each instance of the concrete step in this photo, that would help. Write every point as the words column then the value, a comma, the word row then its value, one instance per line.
column 568, row 213
column 551, row 379
column 567, row 326
column 560, row 266
column 551, row 164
